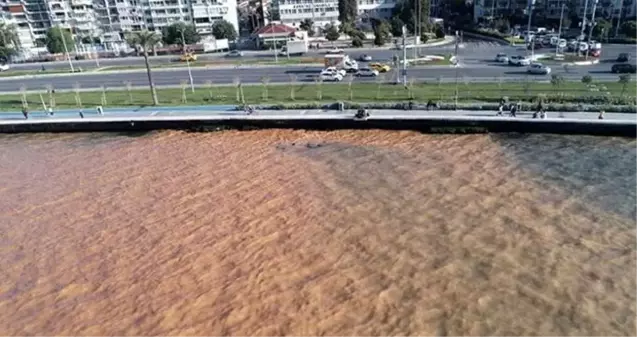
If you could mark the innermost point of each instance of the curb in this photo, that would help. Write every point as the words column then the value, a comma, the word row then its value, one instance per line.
column 584, row 63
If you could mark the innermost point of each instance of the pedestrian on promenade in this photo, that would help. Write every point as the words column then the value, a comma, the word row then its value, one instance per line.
column 601, row 114
column 25, row 112
column 514, row 109
column 50, row 111
column 500, row 109
column 100, row 110
column 81, row 114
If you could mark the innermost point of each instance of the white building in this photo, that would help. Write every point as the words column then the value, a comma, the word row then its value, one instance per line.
column 202, row 13
column 321, row 12
column 606, row 9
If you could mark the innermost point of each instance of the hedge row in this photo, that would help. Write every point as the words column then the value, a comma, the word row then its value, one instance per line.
column 526, row 106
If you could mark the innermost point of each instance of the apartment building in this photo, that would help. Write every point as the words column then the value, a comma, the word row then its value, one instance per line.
column 108, row 20
column 202, row 13
column 323, row 12
column 551, row 8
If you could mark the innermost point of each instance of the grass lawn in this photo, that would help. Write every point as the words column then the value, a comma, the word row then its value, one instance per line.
column 205, row 63
column 309, row 92
column 443, row 62
column 567, row 58
column 515, row 40
column 11, row 72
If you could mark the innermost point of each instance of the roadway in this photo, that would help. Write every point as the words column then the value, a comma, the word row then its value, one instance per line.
column 476, row 65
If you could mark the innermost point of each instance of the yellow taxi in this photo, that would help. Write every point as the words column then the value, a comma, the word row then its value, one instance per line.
column 188, row 57
column 380, row 67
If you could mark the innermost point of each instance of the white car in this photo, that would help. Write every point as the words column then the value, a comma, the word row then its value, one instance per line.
column 4, row 67
column 234, row 53
column 367, row 72
column 538, row 69
column 332, row 77
column 334, row 51
column 519, row 61
column 502, row 58
column 333, row 70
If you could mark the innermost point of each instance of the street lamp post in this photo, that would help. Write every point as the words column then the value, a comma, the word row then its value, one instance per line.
column 619, row 17
column 559, row 31
column 592, row 26
column 584, row 18
column 66, row 49
column 528, row 27
column 183, row 41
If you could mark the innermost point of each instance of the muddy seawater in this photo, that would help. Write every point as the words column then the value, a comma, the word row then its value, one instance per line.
column 317, row 233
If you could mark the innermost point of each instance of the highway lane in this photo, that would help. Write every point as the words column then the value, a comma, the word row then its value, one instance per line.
column 480, row 73
column 470, row 52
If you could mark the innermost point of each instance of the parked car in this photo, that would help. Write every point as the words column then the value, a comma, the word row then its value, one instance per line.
column 624, row 68
column 330, row 76
column 334, row 51
column 623, row 57
column 538, row 69
column 519, row 60
column 502, row 58
column 365, row 58
column 380, row 67
column 4, row 67
column 367, row 72
column 595, row 52
column 234, row 53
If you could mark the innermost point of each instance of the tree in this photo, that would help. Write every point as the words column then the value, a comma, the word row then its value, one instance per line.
column 405, row 11
column 56, row 37
column 146, row 40
column 629, row 28
column 308, row 26
column 172, row 34
column 587, row 79
column 424, row 38
column 624, row 80
column 439, row 31
column 347, row 10
column 331, row 33
column 223, row 29
column 601, row 28
column 396, row 26
column 357, row 42
column 9, row 41
column 381, row 32
column 557, row 81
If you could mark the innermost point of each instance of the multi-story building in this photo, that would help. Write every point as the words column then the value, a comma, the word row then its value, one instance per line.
column 551, row 9
column 202, row 13
column 108, row 20
column 321, row 12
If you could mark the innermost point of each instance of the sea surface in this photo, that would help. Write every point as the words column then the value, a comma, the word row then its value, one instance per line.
column 285, row 232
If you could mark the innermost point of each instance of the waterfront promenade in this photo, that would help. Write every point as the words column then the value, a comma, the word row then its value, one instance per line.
column 148, row 118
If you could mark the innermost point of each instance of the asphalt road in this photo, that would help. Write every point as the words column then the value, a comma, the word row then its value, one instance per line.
column 468, row 72
column 471, row 52
column 476, row 60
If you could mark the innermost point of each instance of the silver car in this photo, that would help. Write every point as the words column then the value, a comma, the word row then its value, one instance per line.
column 538, row 69
column 367, row 72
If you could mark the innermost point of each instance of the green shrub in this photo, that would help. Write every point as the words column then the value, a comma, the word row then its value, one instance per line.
column 439, row 31
column 357, row 42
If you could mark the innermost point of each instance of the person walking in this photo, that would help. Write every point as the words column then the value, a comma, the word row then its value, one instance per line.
column 25, row 112
column 601, row 114
column 81, row 114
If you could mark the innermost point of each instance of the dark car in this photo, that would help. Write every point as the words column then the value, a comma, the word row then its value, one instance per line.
column 623, row 57
column 623, row 68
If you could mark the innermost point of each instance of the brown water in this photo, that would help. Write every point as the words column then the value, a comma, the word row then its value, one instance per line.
column 371, row 233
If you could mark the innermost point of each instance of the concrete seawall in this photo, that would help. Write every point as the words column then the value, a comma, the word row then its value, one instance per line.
column 427, row 124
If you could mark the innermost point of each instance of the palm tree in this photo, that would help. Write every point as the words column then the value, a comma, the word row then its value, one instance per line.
column 9, row 40
column 146, row 40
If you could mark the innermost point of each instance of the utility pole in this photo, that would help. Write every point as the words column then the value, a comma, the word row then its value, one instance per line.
column 559, row 31
column 590, row 31
column 528, row 27
column 619, row 18
column 183, row 41
column 492, row 11
column 584, row 18
column 404, row 58
column 457, row 63
column 66, row 50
